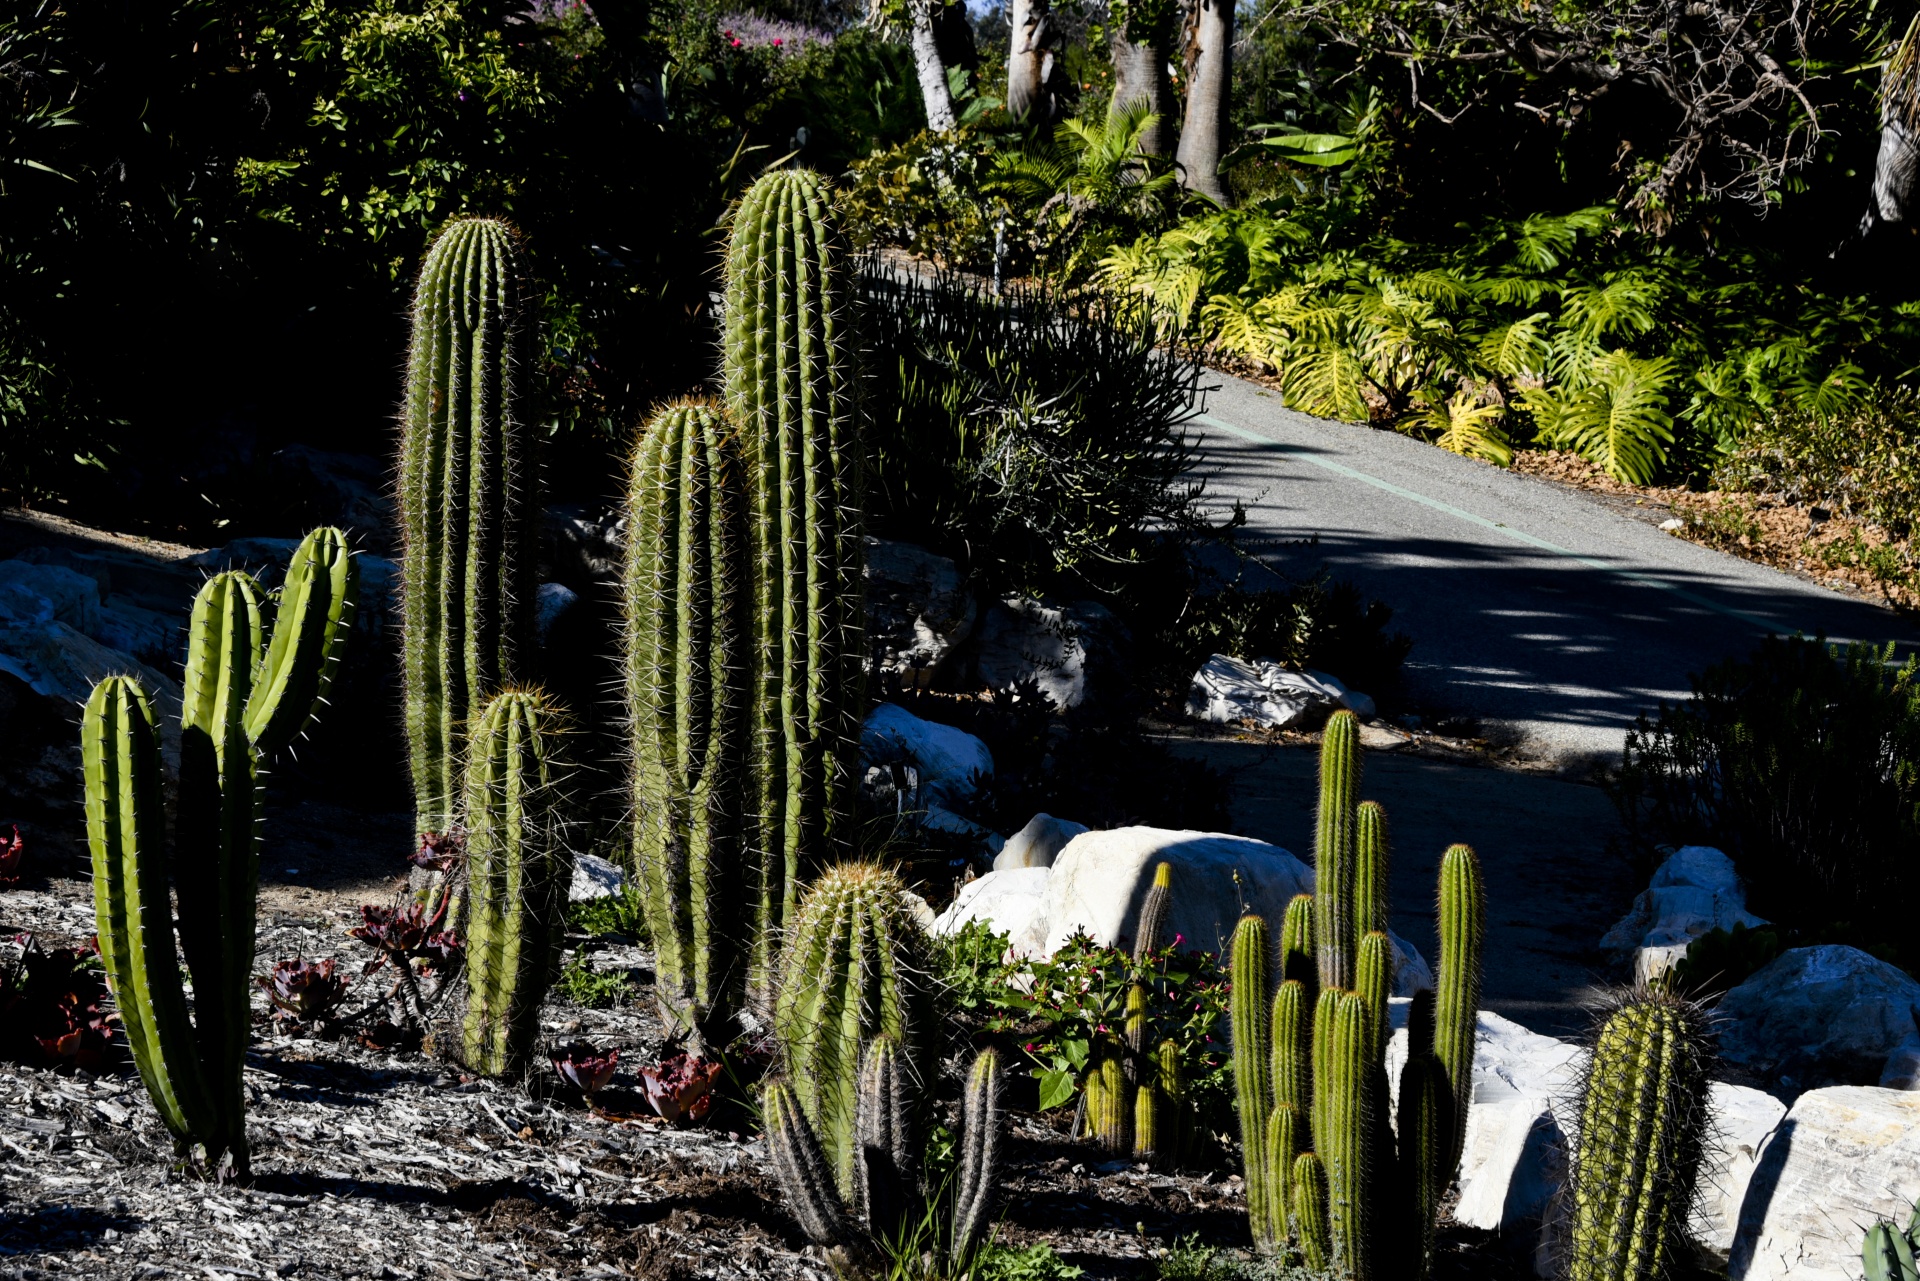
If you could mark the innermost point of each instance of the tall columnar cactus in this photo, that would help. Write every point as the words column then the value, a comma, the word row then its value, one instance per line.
column 1335, row 900
column 1324, row 1159
column 687, row 585
column 519, row 865
column 239, row 702
column 856, row 966
column 1152, row 934
column 469, row 501
column 881, row 1225
column 789, row 357
column 1643, row 1124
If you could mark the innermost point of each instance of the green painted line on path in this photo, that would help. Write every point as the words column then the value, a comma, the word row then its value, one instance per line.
column 1518, row 535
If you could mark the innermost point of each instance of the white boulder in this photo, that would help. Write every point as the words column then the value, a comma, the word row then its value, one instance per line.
column 594, row 877
column 1742, row 1120
column 1066, row 650
column 1228, row 690
column 918, row 610
column 1038, row 843
column 1009, row 899
column 945, row 761
column 1819, row 1016
column 1842, row 1158
column 1694, row 892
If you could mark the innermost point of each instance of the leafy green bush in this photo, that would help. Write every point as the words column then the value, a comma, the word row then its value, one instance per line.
column 1320, row 623
column 622, row 914
column 1803, row 763
column 1035, row 1262
column 591, row 988
column 1036, row 438
column 1862, row 460
column 1721, row 960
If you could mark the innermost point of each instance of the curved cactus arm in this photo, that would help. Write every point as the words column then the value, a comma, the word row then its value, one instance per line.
column 801, row 1167
column 1334, row 874
column 216, row 861
column 977, row 1180
column 1251, row 975
column 120, row 757
column 1463, row 927
column 311, row 625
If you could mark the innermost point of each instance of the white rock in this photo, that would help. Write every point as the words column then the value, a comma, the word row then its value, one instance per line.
column 1038, row 843
column 1009, row 899
column 34, row 594
column 945, row 760
column 1066, row 650
column 1902, row 1070
column 918, row 908
column 1842, row 1158
column 1695, row 892
column 594, row 877
column 1228, row 690
column 1819, row 1016
column 918, row 610
column 551, row 601
column 1743, row 1118
column 1361, row 705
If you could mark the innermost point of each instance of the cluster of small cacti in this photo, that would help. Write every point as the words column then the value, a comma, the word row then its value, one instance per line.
column 1135, row 1097
column 1323, row 1164
column 743, row 599
column 240, row 702
column 1643, row 1129
column 846, row 1122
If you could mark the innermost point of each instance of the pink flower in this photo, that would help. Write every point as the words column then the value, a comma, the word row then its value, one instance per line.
column 1178, row 939
column 776, row 42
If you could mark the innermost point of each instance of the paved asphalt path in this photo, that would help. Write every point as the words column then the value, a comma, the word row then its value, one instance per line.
column 1552, row 617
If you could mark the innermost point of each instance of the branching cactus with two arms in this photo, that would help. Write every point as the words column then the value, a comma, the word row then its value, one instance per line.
column 687, row 588
column 789, row 374
column 239, row 703
column 1324, row 1165
column 519, row 865
column 469, row 502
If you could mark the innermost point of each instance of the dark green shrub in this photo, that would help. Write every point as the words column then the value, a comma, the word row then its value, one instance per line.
column 1861, row 460
column 1036, row 438
column 1719, row 961
column 1802, row 762
column 1321, row 623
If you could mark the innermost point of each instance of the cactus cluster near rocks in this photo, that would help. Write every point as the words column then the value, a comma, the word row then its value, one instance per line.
column 240, row 703
column 847, row 1119
column 469, row 502
column 1324, row 1164
column 1135, row 1096
column 1643, row 1128
column 519, row 865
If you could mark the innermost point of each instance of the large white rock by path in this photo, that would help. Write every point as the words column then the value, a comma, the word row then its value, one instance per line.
column 1694, row 892
column 1037, row 844
column 1010, row 899
column 1842, row 1158
column 1070, row 651
column 944, row 765
column 1819, row 1016
column 1743, row 1120
column 1228, row 690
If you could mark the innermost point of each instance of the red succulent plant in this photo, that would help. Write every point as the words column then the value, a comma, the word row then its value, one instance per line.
column 53, row 1008
column 12, row 854
column 583, row 1067
column 680, row 1087
column 305, row 991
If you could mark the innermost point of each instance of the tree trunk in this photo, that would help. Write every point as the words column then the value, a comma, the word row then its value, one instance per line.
column 1026, row 60
column 930, row 69
column 1209, row 85
column 1140, row 76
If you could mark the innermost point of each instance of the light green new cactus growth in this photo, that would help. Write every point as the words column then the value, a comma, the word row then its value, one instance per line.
column 687, row 673
column 1284, row 1130
column 1334, row 924
column 1292, row 1048
column 469, row 502
column 1643, row 1122
column 1309, row 1187
column 1463, row 930
column 1345, row 1146
column 238, row 703
column 1299, row 958
column 789, row 356
column 519, row 865
column 1374, row 977
column 857, row 966
column 1250, row 978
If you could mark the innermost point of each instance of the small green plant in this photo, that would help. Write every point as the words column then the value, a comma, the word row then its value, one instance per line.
column 1721, row 960
column 623, row 913
column 1036, row 1262
column 1889, row 1253
column 594, row 989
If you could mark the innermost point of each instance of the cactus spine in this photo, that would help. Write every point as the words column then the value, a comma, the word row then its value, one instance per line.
column 1642, row 1130
column 469, row 505
column 789, row 383
column 238, row 703
column 687, row 589
column 856, row 967
column 1322, row 1156
column 518, row 868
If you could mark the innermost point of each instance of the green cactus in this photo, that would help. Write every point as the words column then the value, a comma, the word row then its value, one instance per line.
column 1334, row 921
column 1310, row 1066
column 687, row 590
column 1888, row 1253
column 1159, row 1121
column 885, row 1116
column 238, row 704
column 789, row 371
column 977, row 1179
column 1310, row 1223
column 519, row 865
column 469, row 501
column 1110, row 1097
column 1152, row 934
column 857, row 965
column 803, row 1169
column 1643, row 1125
column 1250, row 978
column 1463, row 928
